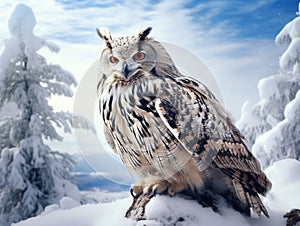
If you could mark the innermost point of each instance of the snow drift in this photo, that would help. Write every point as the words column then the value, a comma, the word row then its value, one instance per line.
column 164, row 210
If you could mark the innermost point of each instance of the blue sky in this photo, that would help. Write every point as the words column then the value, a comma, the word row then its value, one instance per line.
column 247, row 19
column 234, row 38
column 250, row 19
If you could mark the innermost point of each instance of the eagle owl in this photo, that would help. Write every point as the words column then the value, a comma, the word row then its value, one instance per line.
column 169, row 129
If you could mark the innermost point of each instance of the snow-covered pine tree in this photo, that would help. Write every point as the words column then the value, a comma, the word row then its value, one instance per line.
column 32, row 175
column 272, row 125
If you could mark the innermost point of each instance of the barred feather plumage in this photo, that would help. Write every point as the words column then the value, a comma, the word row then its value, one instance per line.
column 169, row 130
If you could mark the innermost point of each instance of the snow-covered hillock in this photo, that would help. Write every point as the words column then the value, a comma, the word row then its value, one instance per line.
column 285, row 193
column 164, row 210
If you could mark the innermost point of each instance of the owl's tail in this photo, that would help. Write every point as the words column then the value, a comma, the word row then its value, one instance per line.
column 251, row 199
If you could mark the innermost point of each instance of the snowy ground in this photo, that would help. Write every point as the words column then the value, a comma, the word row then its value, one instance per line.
column 103, row 196
column 163, row 210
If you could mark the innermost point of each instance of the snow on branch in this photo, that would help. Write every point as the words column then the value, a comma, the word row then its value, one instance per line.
column 69, row 121
column 289, row 32
column 291, row 56
column 290, row 35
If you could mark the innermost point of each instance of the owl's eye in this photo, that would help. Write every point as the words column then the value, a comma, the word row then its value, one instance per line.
column 113, row 59
column 139, row 56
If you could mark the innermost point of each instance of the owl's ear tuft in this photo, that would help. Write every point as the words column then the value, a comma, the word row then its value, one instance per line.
column 144, row 33
column 106, row 36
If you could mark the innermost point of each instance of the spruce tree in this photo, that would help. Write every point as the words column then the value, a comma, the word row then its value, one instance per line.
column 272, row 125
column 32, row 175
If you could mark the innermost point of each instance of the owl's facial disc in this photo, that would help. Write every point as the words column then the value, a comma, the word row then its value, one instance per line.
column 128, row 66
column 127, row 63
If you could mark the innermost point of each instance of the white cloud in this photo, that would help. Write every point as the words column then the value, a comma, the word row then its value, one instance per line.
column 237, row 64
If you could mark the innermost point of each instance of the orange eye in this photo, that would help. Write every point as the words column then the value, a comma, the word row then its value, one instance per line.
column 113, row 59
column 139, row 56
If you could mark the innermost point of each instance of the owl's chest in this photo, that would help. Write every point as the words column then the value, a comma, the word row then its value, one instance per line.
column 134, row 125
column 145, row 125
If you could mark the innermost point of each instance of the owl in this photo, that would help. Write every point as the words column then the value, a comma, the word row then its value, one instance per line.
column 169, row 130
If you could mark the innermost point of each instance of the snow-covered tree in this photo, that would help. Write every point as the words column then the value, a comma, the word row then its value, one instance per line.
column 272, row 125
column 32, row 176
column 275, row 93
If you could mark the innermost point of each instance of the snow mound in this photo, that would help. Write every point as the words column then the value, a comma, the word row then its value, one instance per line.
column 291, row 56
column 290, row 35
column 85, row 215
column 161, row 210
column 285, row 177
column 267, row 87
column 247, row 118
column 292, row 109
column 290, row 31
column 22, row 22
column 164, row 210
column 64, row 204
column 68, row 203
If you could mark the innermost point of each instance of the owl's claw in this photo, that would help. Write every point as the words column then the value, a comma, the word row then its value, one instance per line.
column 137, row 209
column 162, row 187
column 152, row 193
column 133, row 194
column 136, row 190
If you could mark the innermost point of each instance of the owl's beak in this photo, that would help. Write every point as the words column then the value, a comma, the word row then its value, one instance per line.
column 129, row 68
column 125, row 70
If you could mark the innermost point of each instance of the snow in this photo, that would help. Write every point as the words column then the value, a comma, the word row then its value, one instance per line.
column 268, row 146
column 21, row 25
column 22, row 22
column 282, row 141
column 290, row 35
column 271, row 126
column 34, row 175
column 292, row 109
column 162, row 210
column 291, row 56
column 290, row 31
column 50, row 208
column 285, row 178
column 11, row 50
column 87, row 215
column 68, row 203
column 103, row 196
column 16, row 178
column 165, row 210
column 8, row 109
column 267, row 87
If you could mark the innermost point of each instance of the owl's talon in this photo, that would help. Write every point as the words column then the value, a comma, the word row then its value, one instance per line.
column 136, row 190
column 171, row 193
column 132, row 193
column 152, row 193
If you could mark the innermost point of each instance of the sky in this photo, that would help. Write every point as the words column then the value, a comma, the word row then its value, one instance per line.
column 235, row 39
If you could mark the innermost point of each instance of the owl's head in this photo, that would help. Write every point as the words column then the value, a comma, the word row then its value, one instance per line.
column 128, row 58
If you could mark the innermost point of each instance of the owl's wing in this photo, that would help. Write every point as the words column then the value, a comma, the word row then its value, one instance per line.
column 218, row 143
